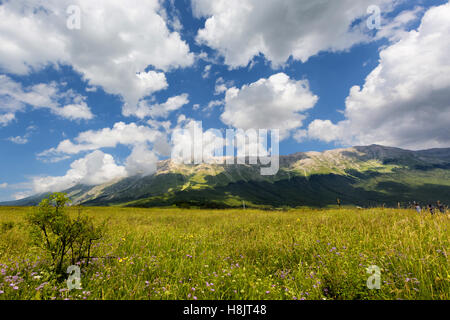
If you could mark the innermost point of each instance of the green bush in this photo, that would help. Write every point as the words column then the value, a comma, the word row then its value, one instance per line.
column 59, row 235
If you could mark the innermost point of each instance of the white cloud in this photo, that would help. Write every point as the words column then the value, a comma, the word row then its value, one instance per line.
column 67, row 104
column 242, row 29
column 144, row 109
column 95, row 168
column 121, row 133
column 75, row 111
column 116, row 43
column 273, row 103
column 222, row 86
column 91, row 89
column 405, row 100
column 6, row 118
column 395, row 29
column 212, row 104
column 19, row 140
column 142, row 161
column 22, row 195
column 189, row 136
column 206, row 71
column 98, row 167
column 25, row 138
column 155, row 124
column 190, row 141
column 3, row 185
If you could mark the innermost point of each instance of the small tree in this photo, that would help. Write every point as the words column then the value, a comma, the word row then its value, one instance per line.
column 59, row 235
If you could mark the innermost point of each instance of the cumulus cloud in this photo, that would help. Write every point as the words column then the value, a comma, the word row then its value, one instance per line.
column 95, row 168
column 116, row 43
column 67, row 104
column 273, row 103
column 191, row 143
column 405, row 100
column 396, row 29
column 145, row 109
column 98, row 167
column 120, row 134
column 242, row 29
column 142, row 161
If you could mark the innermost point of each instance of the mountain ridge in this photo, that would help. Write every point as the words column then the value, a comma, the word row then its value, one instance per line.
column 361, row 175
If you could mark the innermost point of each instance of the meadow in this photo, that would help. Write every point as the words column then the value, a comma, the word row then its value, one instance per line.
column 298, row 254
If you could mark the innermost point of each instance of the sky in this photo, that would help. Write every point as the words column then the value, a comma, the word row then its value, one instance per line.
column 92, row 91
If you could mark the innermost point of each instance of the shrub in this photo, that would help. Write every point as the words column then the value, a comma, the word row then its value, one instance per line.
column 61, row 236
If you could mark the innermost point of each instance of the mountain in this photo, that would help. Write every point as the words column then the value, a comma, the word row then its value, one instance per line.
column 362, row 176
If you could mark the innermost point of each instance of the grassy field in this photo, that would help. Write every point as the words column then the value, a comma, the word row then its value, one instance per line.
column 237, row 254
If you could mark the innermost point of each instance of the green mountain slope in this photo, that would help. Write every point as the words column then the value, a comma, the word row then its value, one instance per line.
column 363, row 176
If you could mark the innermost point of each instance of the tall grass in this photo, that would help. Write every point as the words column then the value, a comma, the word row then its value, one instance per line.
column 240, row 254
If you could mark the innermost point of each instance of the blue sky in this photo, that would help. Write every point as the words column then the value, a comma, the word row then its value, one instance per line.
column 196, row 46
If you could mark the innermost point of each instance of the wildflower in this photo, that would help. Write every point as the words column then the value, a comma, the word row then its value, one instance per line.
column 1, row 292
column 195, row 298
column 267, row 292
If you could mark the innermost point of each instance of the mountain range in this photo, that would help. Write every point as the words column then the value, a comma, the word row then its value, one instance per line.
column 359, row 176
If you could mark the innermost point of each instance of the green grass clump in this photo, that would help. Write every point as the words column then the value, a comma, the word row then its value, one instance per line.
column 237, row 254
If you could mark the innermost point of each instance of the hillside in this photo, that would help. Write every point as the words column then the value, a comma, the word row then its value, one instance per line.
column 363, row 176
